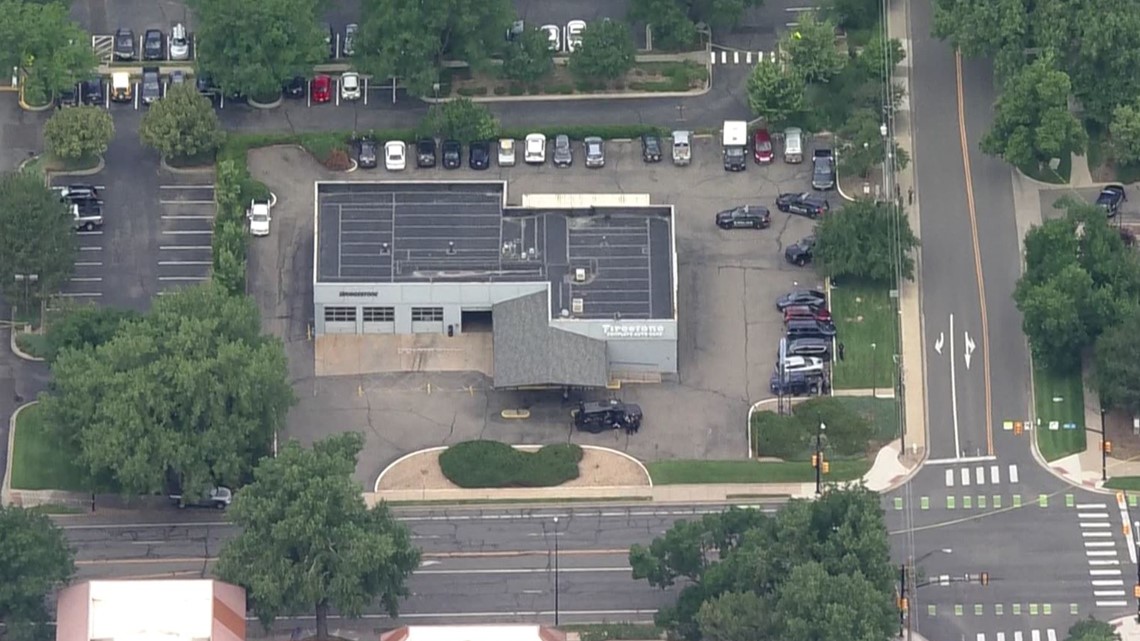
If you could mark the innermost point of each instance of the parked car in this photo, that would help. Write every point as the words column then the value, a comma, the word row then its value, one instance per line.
column 350, row 86
column 154, row 45
column 650, row 148
column 563, row 151
column 150, row 89
column 797, row 384
column 800, row 253
column 809, row 297
column 366, row 155
column 553, row 37
column 177, row 77
column 823, row 169
column 535, row 152
column 807, row 311
column 330, row 39
column 91, row 91
column 218, row 497
column 68, row 98
column 205, row 85
column 801, row 365
column 425, row 153
column 1110, row 199
column 258, row 215
column 452, row 154
column 479, row 155
column 808, row 328
column 744, row 216
column 77, row 192
column 762, row 147
column 573, row 34
column 793, row 145
column 603, row 416
column 295, row 88
column 322, row 89
column 349, row 44
column 506, row 152
column 88, row 214
column 517, row 28
column 179, row 43
column 124, row 45
column 820, row 347
column 122, row 89
column 803, row 204
column 595, row 152
column 396, row 155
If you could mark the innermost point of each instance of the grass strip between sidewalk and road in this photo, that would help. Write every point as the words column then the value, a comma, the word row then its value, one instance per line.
column 38, row 460
column 864, row 316
column 1128, row 483
column 614, row 631
column 1059, row 398
column 682, row 472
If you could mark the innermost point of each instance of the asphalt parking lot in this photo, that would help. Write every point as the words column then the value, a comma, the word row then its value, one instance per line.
column 186, row 206
column 729, row 327
column 1129, row 211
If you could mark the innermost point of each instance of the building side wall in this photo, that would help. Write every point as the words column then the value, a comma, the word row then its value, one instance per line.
column 73, row 613
column 228, row 613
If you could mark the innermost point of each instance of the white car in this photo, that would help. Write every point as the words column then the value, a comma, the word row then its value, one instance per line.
column 395, row 155
column 179, row 43
column 258, row 215
column 553, row 35
column 350, row 86
column 506, row 152
column 573, row 38
column 535, row 152
column 803, row 365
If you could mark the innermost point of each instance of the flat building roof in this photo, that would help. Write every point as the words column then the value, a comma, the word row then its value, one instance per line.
column 463, row 232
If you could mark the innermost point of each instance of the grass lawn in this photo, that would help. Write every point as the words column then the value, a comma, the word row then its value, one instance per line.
column 864, row 316
column 1046, row 175
column 614, row 631
column 1059, row 398
column 32, row 344
column 38, row 462
column 1131, row 483
column 882, row 412
column 1128, row 173
column 688, row 471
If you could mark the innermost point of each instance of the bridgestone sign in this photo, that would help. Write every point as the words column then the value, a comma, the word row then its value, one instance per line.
column 634, row 331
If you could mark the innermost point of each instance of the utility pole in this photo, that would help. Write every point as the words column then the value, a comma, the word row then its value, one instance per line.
column 556, row 571
column 817, row 459
column 903, row 602
column 1105, row 447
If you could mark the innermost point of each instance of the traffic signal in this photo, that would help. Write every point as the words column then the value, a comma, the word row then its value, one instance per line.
column 814, row 461
column 1108, row 447
column 904, row 603
column 826, row 467
column 1017, row 428
column 1136, row 591
column 985, row 578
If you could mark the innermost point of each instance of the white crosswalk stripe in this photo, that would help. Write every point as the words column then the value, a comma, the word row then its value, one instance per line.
column 1017, row 636
column 949, row 478
column 980, row 475
column 1000, row 636
column 965, row 478
column 1052, row 636
column 736, row 57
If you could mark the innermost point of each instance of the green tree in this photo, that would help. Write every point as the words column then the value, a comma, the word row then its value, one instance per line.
column 862, row 145
column 607, row 52
column 1118, row 365
column 252, row 47
column 88, row 326
column 853, row 15
column 409, row 39
column 811, row 49
column 529, row 58
column 460, row 119
column 41, row 39
column 733, row 616
column 669, row 21
column 1092, row 630
column 35, row 560
column 192, row 391
column 1032, row 123
column 774, row 94
column 719, row 14
column 880, row 57
column 182, row 125
column 37, row 236
column 814, row 603
column 309, row 543
column 865, row 243
column 1125, row 133
column 78, row 132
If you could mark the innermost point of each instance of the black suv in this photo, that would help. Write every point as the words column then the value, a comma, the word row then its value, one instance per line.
column 425, row 153
column 367, row 155
column 68, row 98
column 479, row 155
column 808, row 328
column 91, row 91
column 800, row 253
column 797, row 384
column 650, row 148
column 124, row 45
column 295, row 88
column 818, row 347
column 823, row 170
column 1110, row 199
column 151, row 86
column 598, row 417
column 746, row 216
column 154, row 45
column 452, row 154
column 809, row 297
column 804, row 204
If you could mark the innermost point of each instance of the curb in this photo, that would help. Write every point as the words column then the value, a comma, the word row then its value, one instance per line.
column 266, row 105
column 633, row 95
column 19, row 352
column 354, row 166
column 6, row 489
column 203, row 169
column 393, row 464
column 100, row 166
column 838, row 182
column 1042, row 184
column 26, row 107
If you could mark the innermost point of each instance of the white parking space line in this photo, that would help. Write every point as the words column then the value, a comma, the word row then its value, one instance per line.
column 1108, row 592
column 949, row 478
column 1096, row 535
column 723, row 57
column 1107, row 583
column 980, row 475
column 89, row 233
column 1051, row 634
column 965, row 477
column 1000, row 636
column 187, row 217
column 1100, row 552
column 136, row 96
column 1104, row 572
column 86, row 280
column 364, row 83
column 1111, row 604
column 1103, row 562
column 185, row 262
column 1098, row 544
column 1017, row 636
column 185, row 247
column 89, row 264
column 79, row 294
column 981, row 636
column 1095, row 525
column 185, row 186
column 91, row 249
column 187, row 202
column 189, row 279
column 189, row 233
column 1036, row 635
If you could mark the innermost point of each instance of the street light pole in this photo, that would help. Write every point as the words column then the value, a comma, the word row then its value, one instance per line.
column 1104, row 450
column 819, row 458
column 874, row 370
column 905, row 588
column 556, row 571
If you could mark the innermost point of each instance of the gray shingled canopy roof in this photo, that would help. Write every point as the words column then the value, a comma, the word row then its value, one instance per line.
column 528, row 351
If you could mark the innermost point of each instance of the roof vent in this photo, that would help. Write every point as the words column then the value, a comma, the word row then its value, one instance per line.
column 450, row 248
column 577, row 305
column 579, row 275
column 565, row 313
column 385, row 249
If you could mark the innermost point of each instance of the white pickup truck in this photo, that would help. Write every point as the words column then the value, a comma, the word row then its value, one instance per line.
column 258, row 215
column 682, row 148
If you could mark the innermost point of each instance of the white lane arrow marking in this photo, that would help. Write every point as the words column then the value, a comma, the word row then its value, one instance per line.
column 969, row 349
column 938, row 343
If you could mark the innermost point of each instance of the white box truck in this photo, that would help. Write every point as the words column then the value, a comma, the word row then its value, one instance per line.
column 682, row 148
column 735, row 143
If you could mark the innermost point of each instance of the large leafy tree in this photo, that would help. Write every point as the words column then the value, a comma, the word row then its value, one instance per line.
column 1079, row 280
column 862, row 145
column 854, row 14
column 35, row 560
column 865, row 241
column 36, row 237
column 1092, row 630
column 191, row 393
column 84, row 326
column 774, row 93
column 528, row 58
column 1118, row 365
column 460, row 119
column 749, row 575
column 1125, row 131
column 309, row 543
column 1032, row 122
column 607, row 52
column 252, row 47
column 41, row 39
column 672, row 28
column 78, row 132
column 409, row 39
column 811, row 49
column 183, row 124
column 1006, row 30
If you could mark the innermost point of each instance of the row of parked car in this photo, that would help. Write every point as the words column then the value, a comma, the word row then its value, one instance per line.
column 809, row 334
column 154, row 46
column 449, row 154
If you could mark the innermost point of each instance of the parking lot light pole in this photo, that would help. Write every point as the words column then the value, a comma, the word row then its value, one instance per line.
column 874, row 370
column 819, row 458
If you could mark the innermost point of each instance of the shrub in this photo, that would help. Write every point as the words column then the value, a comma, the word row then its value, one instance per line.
column 516, row 90
column 792, row 438
column 338, row 160
column 500, row 90
column 323, row 145
column 466, row 92
column 491, row 464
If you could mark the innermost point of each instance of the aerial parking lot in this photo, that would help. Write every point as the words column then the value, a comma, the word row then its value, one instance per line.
column 729, row 329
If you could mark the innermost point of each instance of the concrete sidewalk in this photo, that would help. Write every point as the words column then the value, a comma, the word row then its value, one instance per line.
column 1087, row 468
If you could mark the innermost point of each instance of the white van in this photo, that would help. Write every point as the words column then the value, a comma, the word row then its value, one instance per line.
column 682, row 151
column 121, row 87
column 793, row 145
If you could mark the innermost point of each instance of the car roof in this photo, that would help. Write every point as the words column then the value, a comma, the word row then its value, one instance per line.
column 530, row 137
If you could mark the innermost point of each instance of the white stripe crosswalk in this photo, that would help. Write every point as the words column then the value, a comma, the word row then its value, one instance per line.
column 1105, row 573
column 1049, row 634
column 726, row 57
column 968, row 476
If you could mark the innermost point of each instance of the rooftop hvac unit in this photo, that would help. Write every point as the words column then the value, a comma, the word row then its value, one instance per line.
column 577, row 305
column 579, row 275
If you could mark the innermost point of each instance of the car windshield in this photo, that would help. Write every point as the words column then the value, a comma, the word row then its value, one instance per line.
column 395, row 153
column 259, row 217
column 595, row 149
column 126, row 40
column 651, row 145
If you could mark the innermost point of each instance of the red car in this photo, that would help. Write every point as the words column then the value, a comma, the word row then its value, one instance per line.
column 322, row 89
column 762, row 147
column 796, row 312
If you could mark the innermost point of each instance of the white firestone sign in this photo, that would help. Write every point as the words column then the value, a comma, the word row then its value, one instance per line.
column 633, row 331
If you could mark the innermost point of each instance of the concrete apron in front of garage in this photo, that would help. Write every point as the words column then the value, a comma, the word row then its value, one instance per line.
column 356, row 354
column 729, row 329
